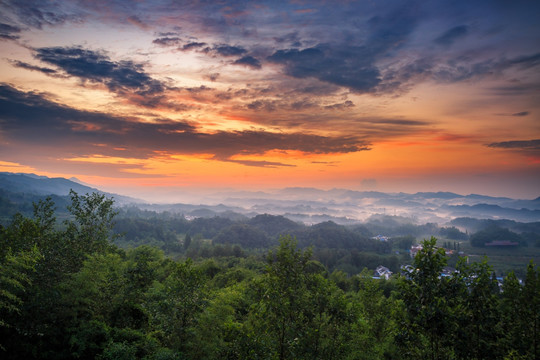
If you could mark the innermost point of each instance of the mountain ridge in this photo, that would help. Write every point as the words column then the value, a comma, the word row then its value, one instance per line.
column 307, row 205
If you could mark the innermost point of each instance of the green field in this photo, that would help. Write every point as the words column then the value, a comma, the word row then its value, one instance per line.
column 503, row 259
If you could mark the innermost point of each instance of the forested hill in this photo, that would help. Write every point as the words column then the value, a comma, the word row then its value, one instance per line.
column 380, row 240
column 68, row 292
column 338, row 242
column 41, row 185
column 18, row 191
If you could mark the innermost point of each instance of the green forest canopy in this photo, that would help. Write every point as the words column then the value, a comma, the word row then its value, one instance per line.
column 69, row 293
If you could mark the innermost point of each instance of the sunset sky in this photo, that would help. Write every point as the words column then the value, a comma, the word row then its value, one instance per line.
column 159, row 98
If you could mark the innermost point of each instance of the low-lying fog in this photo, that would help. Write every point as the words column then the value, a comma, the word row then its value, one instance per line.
column 343, row 206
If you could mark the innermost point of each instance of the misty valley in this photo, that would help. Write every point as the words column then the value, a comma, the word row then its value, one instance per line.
column 294, row 274
column 269, row 180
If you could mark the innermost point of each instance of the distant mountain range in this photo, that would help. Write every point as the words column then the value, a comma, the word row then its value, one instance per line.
column 307, row 205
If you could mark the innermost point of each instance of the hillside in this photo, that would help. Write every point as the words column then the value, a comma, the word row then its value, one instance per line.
column 18, row 191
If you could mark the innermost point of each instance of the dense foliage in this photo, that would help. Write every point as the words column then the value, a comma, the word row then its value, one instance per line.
column 68, row 293
column 495, row 233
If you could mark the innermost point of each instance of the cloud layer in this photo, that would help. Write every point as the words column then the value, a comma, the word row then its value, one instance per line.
column 349, row 88
column 31, row 117
column 88, row 65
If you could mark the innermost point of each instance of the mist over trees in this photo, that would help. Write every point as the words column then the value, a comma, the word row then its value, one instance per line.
column 68, row 292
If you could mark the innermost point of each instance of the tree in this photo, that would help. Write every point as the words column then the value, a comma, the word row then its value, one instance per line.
column 92, row 298
column 298, row 313
column 187, row 241
column 174, row 305
column 512, row 324
column 476, row 298
column 530, row 310
column 39, row 329
column 15, row 278
column 520, row 308
column 94, row 221
column 375, row 326
column 494, row 233
column 220, row 332
column 427, row 323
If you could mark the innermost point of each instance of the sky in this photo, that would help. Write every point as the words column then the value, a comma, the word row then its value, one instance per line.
column 157, row 99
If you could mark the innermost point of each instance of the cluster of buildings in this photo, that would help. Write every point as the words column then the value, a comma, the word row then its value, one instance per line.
column 382, row 272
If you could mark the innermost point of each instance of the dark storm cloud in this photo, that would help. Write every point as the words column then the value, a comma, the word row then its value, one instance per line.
column 450, row 36
column 88, row 65
column 29, row 118
column 249, row 61
column 9, row 32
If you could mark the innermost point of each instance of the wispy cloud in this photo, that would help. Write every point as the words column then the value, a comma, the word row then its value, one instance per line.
column 246, row 82
column 168, row 41
column 23, row 65
column 452, row 35
column 526, row 147
column 135, row 20
column 38, row 13
column 517, row 144
column 9, row 32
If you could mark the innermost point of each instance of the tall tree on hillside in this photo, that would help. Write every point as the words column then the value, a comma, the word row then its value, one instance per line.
column 298, row 313
column 427, row 323
column 39, row 329
column 531, row 310
column 476, row 300
column 174, row 305
column 91, row 229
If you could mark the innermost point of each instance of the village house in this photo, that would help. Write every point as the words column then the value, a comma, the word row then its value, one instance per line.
column 383, row 272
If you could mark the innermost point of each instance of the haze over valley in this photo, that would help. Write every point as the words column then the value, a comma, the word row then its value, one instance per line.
column 308, row 205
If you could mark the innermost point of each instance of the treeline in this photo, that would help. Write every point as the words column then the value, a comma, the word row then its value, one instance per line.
column 487, row 230
column 68, row 293
column 336, row 246
column 259, row 232
column 167, row 231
